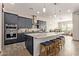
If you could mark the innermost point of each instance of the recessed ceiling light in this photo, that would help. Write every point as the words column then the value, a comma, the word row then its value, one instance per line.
column 12, row 3
column 31, row 8
column 54, row 15
column 69, row 10
column 44, row 10
column 50, row 16
column 38, row 12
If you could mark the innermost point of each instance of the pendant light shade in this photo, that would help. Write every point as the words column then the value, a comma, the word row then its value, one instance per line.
column 44, row 10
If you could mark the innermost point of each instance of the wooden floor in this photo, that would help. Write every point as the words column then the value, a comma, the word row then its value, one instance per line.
column 17, row 49
column 71, row 48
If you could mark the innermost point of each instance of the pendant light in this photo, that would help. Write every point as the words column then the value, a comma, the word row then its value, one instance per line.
column 69, row 10
column 55, row 10
column 2, row 7
column 55, row 15
column 38, row 12
column 44, row 9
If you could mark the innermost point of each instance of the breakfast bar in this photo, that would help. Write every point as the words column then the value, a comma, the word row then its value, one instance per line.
column 33, row 41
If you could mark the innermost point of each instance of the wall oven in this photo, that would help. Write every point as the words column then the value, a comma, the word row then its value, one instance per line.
column 11, row 31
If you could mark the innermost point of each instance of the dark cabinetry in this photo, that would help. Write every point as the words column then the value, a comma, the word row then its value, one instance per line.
column 20, row 37
column 21, row 22
column 29, row 43
column 10, row 18
column 24, row 22
column 41, row 24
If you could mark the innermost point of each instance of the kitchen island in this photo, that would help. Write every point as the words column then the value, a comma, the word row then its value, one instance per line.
column 33, row 41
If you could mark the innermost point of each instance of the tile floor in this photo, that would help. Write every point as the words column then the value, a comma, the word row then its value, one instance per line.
column 71, row 48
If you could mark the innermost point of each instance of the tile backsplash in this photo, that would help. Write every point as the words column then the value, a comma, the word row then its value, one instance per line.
column 23, row 30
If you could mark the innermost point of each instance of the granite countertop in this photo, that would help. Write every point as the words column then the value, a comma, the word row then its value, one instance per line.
column 43, row 35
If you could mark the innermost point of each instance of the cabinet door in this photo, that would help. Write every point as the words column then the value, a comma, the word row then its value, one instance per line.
column 41, row 24
column 10, row 18
column 24, row 22
column 21, row 22
column 28, row 23
column 29, row 44
column 20, row 37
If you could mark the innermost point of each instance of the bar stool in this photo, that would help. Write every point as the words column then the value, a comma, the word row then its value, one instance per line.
column 52, row 48
column 59, row 43
column 56, row 46
column 63, row 40
column 45, row 48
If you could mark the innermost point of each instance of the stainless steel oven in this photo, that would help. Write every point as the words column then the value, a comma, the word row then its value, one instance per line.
column 11, row 31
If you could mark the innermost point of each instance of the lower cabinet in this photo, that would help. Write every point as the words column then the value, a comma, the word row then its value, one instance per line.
column 20, row 38
column 29, row 44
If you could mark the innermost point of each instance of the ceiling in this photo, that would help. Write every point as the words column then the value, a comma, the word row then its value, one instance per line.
column 59, row 9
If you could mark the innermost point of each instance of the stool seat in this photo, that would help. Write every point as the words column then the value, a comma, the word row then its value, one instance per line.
column 46, row 43
column 52, row 41
column 58, row 38
column 52, row 48
column 45, row 48
column 61, row 36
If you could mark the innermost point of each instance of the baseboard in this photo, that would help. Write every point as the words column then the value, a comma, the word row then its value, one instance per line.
column 75, row 40
column 0, row 51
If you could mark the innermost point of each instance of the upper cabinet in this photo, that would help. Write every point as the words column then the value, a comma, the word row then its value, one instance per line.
column 41, row 24
column 24, row 22
column 10, row 18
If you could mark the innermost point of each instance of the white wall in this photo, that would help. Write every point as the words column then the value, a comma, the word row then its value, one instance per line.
column 76, row 25
column 0, row 26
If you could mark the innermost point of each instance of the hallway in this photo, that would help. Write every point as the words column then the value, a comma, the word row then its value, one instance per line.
column 71, row 48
